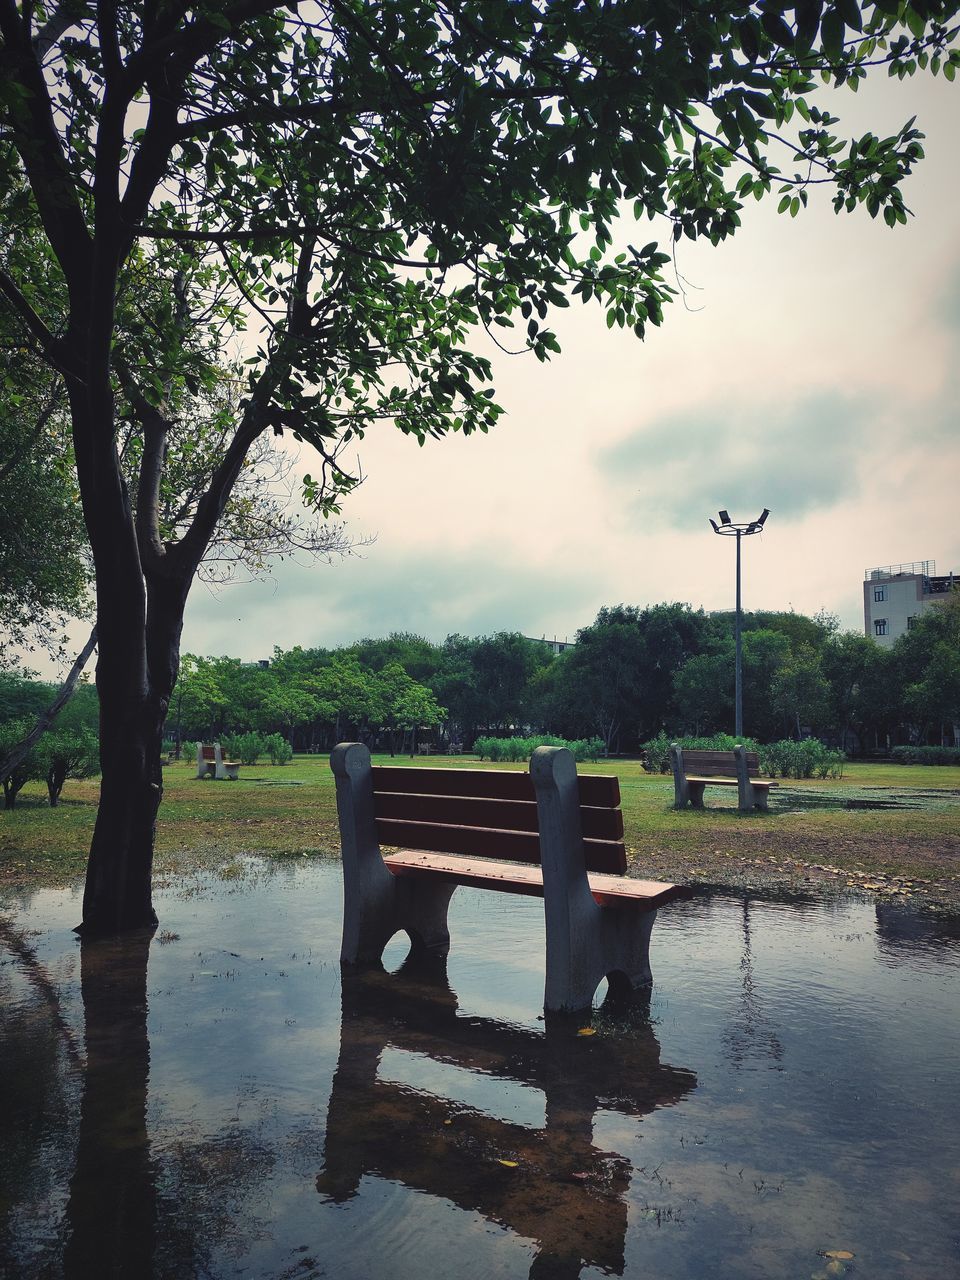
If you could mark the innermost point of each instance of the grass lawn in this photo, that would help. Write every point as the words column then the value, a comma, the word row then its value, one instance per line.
column 290, row 811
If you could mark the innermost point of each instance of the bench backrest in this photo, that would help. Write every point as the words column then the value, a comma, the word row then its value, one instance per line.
column 490, row 813
column 718, row 764
column 209, row 752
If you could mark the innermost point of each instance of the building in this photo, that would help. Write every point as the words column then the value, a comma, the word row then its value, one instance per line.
column 556, row 646
column 895, row 595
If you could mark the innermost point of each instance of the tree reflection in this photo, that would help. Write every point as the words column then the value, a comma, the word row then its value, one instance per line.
column 112, row 1209
column 122, row 1208
column 552, row 1185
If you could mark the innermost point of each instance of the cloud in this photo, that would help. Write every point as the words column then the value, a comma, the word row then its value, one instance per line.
column 431, row 595
column 793, row 460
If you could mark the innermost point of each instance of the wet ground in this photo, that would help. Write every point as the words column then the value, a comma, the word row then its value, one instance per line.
column 217, row 1102
column 793, row 799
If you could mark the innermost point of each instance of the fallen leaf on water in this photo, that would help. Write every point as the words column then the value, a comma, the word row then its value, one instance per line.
column 586, row 1031
column 843, row 1255
column 508, row 1164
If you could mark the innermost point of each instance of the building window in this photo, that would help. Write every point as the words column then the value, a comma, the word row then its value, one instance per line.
column 880, row 627
column 911, row 622
column 879, row 595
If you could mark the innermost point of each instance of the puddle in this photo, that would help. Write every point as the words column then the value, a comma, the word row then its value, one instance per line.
column 218, row 1102
column 787, row 799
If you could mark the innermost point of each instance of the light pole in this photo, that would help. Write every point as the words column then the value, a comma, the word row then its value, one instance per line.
column 730, row 530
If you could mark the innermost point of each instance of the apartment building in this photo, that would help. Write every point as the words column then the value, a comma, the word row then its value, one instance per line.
column 895, row 595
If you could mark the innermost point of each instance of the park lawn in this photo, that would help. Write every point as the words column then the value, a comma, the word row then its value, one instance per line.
column 290, row 811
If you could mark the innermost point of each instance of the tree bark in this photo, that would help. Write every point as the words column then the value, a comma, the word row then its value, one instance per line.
column 135, row 678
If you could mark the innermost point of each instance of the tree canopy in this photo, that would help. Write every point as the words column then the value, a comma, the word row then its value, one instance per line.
column 231, row 221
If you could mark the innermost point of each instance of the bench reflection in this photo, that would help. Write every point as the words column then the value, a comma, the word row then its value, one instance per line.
column 557, row 1188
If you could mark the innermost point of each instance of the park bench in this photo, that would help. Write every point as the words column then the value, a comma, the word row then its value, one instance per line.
column 546, row 833
column 693, row 770
column 210, row 762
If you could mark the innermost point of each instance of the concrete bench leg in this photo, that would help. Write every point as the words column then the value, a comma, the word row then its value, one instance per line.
column 681, row 789
column 376, row 904
column 585, row 942
column 750, row 796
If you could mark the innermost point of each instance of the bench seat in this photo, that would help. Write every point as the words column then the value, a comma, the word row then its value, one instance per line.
column 508, row 877
column 729, row 782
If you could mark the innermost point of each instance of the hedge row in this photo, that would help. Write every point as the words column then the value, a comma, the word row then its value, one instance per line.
column 925, row 755
column 248, row 748
column 786, row 759
column 503, row 749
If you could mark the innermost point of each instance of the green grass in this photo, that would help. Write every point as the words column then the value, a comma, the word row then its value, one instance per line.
column 290, row 810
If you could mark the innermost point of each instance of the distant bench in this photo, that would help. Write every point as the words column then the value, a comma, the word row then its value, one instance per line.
column 693, row 770
column 210, row 762
column 449, row 825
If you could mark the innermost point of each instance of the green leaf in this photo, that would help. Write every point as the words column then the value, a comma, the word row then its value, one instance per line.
column 849, row 10
column 777, row 30
column 832, row 31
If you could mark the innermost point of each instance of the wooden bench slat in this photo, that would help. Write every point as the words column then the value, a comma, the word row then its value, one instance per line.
column 730, row 782
column 717, row 763
column 598, row 789
column 608, row 890
column 502, row 815
column 480, row 842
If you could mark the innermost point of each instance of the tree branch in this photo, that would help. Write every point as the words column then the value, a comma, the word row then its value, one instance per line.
column 155, row 428
column 51, row 347
column 20, row 749
column 44, row 417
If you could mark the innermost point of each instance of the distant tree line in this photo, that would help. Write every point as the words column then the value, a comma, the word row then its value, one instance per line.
column 633, row 673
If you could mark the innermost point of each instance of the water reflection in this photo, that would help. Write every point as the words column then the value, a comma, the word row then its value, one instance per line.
column 112, row 1208
column 185, row 1139
column 750, row 1034
column 905, row 929
column 550, row 1184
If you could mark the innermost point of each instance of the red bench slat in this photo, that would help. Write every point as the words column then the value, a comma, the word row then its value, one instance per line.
column 502, row 815
column 600, row 790
column 479, row 842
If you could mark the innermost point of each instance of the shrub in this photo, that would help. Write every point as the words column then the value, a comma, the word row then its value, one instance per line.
column 925, row 755
column 245, row 747
column 656, row 752
column 514, row 749
column 807, row 759
column 278, row 749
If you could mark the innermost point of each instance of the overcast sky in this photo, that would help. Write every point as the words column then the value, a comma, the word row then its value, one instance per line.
column 812, row 368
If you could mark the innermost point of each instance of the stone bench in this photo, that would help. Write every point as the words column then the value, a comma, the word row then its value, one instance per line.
column 210, row 762
column 695, row 769
column 545, row 833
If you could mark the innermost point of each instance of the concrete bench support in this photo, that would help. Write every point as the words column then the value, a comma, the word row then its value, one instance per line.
column 585, row 942
column 376, row 903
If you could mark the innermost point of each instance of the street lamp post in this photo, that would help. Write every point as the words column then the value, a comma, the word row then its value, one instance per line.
column 731, row 529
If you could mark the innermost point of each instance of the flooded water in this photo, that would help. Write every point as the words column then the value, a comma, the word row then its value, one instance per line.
column 217, row 1102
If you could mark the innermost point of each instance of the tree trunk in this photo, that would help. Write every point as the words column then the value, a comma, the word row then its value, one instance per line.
column 136, row 672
